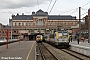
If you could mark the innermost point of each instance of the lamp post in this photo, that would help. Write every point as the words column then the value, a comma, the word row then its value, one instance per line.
column 11, row 30
column 25, row 35
column 6, row 38
column 89, row 31
column 79, row 23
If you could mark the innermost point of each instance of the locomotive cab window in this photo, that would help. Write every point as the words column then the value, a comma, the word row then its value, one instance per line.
column 60, row 33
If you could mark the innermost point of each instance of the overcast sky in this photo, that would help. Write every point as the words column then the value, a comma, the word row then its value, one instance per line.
column 61, row 7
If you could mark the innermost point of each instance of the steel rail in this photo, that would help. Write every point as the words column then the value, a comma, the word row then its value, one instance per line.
column 42, row 47
column 75, row 54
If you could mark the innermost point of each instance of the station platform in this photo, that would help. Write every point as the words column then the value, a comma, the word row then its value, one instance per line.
column 81, row 43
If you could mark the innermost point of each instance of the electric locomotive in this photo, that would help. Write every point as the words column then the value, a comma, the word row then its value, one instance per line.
column 39, row 38
column 59, row 38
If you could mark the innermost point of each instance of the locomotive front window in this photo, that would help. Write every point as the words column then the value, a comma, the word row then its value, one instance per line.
column 60, row 34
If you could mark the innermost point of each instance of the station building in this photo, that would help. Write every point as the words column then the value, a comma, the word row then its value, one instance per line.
column 3, row 29
column 40, row 22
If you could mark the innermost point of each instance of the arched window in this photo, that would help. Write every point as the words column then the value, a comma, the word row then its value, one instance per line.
column 40, row 22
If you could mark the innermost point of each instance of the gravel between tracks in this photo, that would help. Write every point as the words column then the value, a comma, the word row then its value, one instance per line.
column 60, row 54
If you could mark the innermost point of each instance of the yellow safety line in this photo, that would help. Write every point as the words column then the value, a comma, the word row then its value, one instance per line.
column 30, row 51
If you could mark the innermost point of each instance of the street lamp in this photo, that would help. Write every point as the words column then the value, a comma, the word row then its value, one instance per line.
column 11, row 30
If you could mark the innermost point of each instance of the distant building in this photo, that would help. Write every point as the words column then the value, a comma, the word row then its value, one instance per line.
column 40, row 22
column 3, row 31
column 87, row 19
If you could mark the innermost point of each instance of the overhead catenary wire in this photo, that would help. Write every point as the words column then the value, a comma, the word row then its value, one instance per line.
column 74, row 10
column 84, row 13
column 50, row 12
column 38, row 4
column 84, row 9
column 52, row 6
column 49, row 5
column 85, row 4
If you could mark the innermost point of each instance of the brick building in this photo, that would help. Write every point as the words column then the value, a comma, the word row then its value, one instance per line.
column 40, row 22
column 87, row 19
column 3, row 29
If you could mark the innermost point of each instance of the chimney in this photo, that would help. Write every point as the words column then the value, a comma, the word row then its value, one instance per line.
column 22, row 13
column 17, row 13
column 13, row 15
column 33, row 13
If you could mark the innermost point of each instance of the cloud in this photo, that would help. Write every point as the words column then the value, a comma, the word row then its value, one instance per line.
column 12, row 4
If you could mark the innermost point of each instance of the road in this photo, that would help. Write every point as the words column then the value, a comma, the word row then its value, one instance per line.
column 16, row 51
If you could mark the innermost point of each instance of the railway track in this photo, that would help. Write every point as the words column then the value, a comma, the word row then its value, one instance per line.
column 60, row 54
column 44, row 53
column 66, row 54
column 76, row 55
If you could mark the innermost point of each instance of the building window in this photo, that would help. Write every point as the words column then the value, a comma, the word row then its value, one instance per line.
column 59, row 23
column 69, row 24
column 63, row 23
column 74, row 23
column 14, row 31
column 49, row 24
column 17, row 24
column 40, row 22
column 31, row 23
column 20, row 23
column 3, row 31
column 13, row 23
column 52, row 23
column 27, row 24
column 24, row 23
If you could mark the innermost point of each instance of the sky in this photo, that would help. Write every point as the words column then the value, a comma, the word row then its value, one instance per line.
column 61, row 7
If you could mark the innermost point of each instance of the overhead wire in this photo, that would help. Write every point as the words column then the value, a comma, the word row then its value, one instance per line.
column 84, row 13
column 38, row 4
column 83, row 9
column 52, row 6
column 76, row 8
column 69, row 11
column 86, row 4
column 74, row 11
column 49, row 5
column 50, row 12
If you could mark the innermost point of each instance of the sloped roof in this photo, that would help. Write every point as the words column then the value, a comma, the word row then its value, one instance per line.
column 42, row 13
column 61, row 17
column 5, row 26
column 50, row 17
column 22, row 17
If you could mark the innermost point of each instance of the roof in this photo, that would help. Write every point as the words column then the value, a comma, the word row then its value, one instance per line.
column 61, row 17
column 50, row 17
column 22, row 17
column 5, row 26
column 42, row 13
